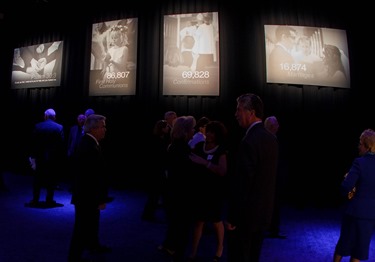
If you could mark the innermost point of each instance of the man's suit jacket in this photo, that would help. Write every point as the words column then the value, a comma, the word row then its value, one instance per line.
column 253, row 187
column 75, row 135
column 47, row 145
column 90, row 185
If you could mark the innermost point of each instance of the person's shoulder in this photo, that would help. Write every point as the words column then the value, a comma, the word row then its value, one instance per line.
column 87, row 141
column 259, row 126
column 42, row 125
column 366, row 157
column 39, row 124
column 53, row 123
column 259, row 130
column 276, row 49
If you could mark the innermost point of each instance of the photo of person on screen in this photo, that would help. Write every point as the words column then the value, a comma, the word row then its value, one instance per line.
column 206, row 35
column 304, row 52
column 18, row 61
column 98, row 45
column 306, row 55
column 334, row 65
column 116, row 57
column 189, row 54
column 281, row 54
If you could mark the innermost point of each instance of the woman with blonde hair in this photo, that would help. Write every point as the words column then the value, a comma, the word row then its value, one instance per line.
column 178, row 204
column 358, row 222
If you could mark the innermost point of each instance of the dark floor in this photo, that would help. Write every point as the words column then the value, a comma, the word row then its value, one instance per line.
column 43, row 235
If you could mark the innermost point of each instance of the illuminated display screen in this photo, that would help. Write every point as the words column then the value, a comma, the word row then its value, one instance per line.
column 113, row 58
column 307, row 56
column 191, row 54
column 37, row 65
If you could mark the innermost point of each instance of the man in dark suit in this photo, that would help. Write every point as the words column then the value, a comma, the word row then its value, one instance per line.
column 252, row 184
column 47, row 156
column 90, row 189
column 272, row 125
column 75, row 134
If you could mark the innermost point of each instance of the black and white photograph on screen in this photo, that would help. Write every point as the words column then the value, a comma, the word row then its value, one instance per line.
column 113, row 57
column 307, row 56
column 37, row 65
column 191, row 54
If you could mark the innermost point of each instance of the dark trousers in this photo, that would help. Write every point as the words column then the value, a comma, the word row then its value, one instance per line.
column 244, row 248
column 179, row 225
column 85, row 231
column 41, row 180
column 155, row 193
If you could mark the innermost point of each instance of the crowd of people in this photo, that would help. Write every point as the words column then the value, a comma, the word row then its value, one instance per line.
column 89, row 184
column 243, row 203
column 223, row 198
column 195, row 183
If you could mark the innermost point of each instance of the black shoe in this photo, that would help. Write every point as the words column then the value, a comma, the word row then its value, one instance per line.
column 53, row 203
column 32, row 203
column 101, row 249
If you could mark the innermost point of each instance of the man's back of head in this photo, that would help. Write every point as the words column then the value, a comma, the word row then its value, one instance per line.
column 50, row 114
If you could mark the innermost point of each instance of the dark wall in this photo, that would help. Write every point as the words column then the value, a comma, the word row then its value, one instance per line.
column 320, row 125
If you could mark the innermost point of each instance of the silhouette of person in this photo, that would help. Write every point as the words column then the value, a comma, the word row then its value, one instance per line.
column 89, row 194
column 252, row 192
column 47, row 157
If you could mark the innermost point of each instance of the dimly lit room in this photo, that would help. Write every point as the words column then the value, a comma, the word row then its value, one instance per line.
column 194, row 58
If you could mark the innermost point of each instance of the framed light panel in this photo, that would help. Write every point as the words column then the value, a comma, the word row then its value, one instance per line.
column 37, row 65
column 113, row 58
column 307, row 56
column 191, row 54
